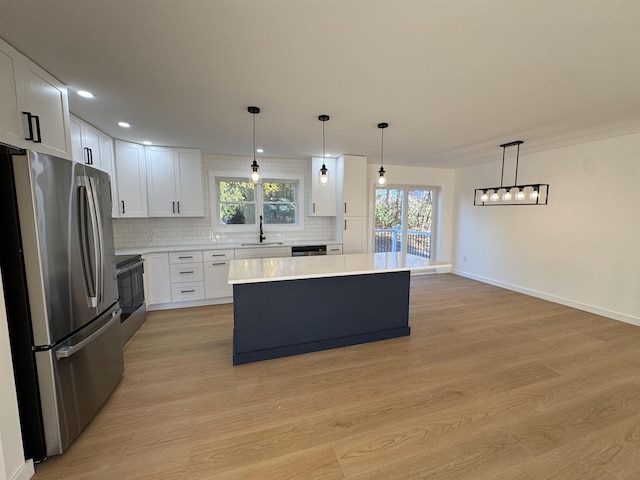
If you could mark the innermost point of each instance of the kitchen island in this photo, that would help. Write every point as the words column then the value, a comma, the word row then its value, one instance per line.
column 288, row 306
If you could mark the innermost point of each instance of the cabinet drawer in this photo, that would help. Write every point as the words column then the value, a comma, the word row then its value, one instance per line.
column 335, row 249
column 183, row 292
column 185, row 257
column 186, row 272
column 217, row 255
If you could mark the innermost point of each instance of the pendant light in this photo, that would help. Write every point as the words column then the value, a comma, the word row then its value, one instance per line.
column 323, row 174
column 255, row 168
column 381, row 179
column 538, row 193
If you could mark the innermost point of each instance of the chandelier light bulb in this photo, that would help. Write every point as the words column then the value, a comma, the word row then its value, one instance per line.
column 520, row 194
column 534, row 194
column 507, row 195
column 495, row 196
column 484, row 196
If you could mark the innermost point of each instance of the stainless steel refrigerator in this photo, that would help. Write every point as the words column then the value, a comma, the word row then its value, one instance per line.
column 59, row 277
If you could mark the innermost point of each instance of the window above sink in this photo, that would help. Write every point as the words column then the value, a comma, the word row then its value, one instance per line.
column 237, row 203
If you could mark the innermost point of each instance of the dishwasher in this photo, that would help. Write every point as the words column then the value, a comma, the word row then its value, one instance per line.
column 308, row 250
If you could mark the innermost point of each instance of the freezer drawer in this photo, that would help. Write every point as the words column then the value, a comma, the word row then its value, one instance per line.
column 79, row 377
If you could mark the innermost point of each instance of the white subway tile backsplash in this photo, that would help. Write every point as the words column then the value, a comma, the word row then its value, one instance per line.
column 159, row 232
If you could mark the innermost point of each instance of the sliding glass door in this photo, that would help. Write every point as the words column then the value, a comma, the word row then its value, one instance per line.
column 404, row 220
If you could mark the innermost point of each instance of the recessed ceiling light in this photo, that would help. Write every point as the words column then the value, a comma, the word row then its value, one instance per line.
column 85, row 94
column 147, row 142
column 259, row 150
column 124, row 124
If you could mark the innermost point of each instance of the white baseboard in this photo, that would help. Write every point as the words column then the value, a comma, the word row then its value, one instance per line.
column 191, row 303
column 622, row 317
column 25, row 472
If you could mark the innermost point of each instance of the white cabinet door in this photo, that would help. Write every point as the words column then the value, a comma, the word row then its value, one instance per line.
column 188, row 174
column 323, row 195
column 132, row 179
column 174, row 180
column 75, row 128
column 354, row 235
column 161, row 181
column 44, row 105
column 157, row 279
column 216, row 275
column 354, row 173
column 10, row 132
column 107, row 165
column 91, row 146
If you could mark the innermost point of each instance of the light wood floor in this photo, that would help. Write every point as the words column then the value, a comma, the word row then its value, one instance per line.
column 491, row 384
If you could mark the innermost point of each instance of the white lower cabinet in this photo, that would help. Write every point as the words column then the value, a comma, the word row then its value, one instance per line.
column 263, row 252
column 354, row 235
column 156, row 278
column 334, row 249
column 186, row 274
column 184, row 292
column 216, row 273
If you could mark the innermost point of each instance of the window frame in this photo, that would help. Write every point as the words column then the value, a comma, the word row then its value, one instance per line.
column 268, row 177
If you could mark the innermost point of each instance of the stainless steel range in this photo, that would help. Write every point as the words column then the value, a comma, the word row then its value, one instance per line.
column 130, row 271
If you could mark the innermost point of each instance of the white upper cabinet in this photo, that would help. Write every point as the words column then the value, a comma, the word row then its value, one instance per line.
column 85, row 144
column 174, row 181
column 323, row 195
column 131, row 178
column 34, row 107
column 93, row 147
column 10, row 132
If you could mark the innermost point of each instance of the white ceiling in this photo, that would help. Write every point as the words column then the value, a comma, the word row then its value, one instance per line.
column 453, row 78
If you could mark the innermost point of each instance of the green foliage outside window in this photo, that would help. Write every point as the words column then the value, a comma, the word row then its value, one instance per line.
column 238, row 202
column 279, row 205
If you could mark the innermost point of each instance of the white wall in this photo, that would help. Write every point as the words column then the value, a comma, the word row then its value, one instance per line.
column 12, row 462
column 582, row 250
column 440, row 178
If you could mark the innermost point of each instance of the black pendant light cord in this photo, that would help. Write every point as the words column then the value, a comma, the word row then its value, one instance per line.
column 382, row 149
column 254, row 136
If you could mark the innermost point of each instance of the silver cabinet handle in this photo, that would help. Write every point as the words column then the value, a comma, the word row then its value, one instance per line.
column 189, row 256
column 187, row 291
column 218, row 254
column 218, row 263
column 184, row 273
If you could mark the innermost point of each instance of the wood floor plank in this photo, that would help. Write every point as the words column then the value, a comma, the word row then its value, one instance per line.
column 491, row 384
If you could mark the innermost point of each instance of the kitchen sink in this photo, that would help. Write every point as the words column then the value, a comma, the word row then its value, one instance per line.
column 263, row 244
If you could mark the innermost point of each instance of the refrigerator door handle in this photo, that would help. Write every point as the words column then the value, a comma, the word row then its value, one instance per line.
column 97, row 222
column 89, row 271
column 66, row 352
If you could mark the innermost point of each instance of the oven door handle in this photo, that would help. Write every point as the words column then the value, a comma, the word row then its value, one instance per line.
column 126, row 268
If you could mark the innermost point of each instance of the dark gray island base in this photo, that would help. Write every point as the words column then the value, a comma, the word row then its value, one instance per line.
column 289, row 317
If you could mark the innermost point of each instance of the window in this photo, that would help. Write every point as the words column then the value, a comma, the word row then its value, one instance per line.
column 279, row 202
column 236, row 202
column 404, row 220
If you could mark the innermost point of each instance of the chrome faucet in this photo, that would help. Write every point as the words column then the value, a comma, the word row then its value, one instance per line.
column 262, row 237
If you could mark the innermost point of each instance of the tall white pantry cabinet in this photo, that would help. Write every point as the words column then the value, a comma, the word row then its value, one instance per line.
column 352, row 203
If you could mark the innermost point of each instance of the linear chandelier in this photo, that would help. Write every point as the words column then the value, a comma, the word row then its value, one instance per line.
column 524, row 194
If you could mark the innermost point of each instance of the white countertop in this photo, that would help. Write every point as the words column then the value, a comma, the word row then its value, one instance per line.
column 219, row 246
column 296, row 268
